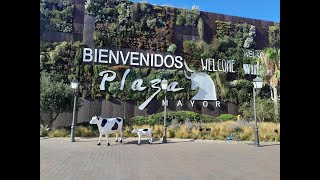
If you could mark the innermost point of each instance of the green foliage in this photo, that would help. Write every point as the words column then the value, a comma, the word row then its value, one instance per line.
column 187, row 17
column 229, row 42
column 239, row 34
column 59, row 132
column 85, row 131
column 227, row 117
column 194, row 51
column 274, row 36
column 249, row 42
column 56, row 16
column 172, row 48
column 270, row 69
column 152, row 23
column 43, row 132
column 179, row 116
column 61, row 59
column 144, row 6
column 55, row 97
column 241, row 92
column 125, row 24
column 241, row 130
column 264, row 108
column 131, row 25
column 200, row 27
column 220, row 80
column 135, row 11
column 224, row 28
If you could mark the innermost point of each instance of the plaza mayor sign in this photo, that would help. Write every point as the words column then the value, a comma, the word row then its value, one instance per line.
column 139, row 58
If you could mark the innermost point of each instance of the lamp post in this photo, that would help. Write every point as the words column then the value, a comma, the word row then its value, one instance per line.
column 164, row 86
column 74, row 86
column 257, row 84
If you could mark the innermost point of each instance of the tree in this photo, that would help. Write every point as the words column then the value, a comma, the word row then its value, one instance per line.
column 264, row 108
column 55, row 98
column 271, row 73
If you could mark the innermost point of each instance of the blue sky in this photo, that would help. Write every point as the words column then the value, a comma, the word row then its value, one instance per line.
column 257, row 9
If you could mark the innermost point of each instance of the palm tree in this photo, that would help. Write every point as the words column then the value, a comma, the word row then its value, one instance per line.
column 271, row 73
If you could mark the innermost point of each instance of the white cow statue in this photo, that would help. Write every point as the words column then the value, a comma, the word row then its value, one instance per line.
column 107, row 126
column 143, row 132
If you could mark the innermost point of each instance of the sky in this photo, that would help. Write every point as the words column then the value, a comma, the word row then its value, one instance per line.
column 257, row 9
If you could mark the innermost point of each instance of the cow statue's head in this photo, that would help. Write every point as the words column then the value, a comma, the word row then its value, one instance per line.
column 94, row 120
column 134, row 131
column 207, row 89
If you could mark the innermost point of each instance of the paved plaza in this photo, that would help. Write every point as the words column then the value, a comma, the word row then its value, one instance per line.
column 179, row 159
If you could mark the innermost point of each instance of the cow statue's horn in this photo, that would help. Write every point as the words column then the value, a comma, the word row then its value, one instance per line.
column 188, row 69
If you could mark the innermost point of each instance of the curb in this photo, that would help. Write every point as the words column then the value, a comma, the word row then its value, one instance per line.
column 175, row 140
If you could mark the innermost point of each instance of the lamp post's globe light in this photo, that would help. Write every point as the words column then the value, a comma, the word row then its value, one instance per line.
column 164, row 84
column 74, row 84
column 257, row 83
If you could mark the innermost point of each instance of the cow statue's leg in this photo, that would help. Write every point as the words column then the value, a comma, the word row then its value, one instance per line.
column 121, row 135
column 150, row 139
column 107, row 139
column 116, row 137
column 139, row 139
column 100, row 136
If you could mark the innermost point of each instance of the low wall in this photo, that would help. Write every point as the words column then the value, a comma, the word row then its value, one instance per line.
column 128, row 109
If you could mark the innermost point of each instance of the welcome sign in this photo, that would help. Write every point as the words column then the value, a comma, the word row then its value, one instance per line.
column 137, row 58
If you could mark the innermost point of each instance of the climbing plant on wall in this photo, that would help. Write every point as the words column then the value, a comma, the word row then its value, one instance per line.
column 62, row 59
column 56, row 15
column 187, row 17
column 231, row 39
column 126, row 24
column 274, row 36
column 132, row 25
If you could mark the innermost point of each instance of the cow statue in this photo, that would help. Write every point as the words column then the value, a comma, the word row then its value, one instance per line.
column 143, row 132
column 107, row 126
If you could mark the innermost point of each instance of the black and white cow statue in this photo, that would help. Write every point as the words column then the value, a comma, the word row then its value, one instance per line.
column 108, row 126
column 143, row 132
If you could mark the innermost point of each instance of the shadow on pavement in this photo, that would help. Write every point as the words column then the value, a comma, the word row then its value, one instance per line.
column 155, row 141
column 44, row 138
column 264, row 145
column 270, row 145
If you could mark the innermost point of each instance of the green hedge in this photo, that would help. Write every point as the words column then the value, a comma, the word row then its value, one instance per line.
column 179, row 116
column 227, row 117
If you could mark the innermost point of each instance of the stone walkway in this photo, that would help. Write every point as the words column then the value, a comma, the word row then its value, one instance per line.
column 179, row 159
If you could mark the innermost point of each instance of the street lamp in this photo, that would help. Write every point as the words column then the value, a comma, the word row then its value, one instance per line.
column 164, row 86
column 74, row 86
column 257, row 84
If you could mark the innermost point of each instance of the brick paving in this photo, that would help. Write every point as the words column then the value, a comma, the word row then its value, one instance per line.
column 177, row 160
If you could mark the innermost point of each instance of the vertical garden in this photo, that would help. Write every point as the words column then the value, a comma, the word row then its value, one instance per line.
column 124, row 24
